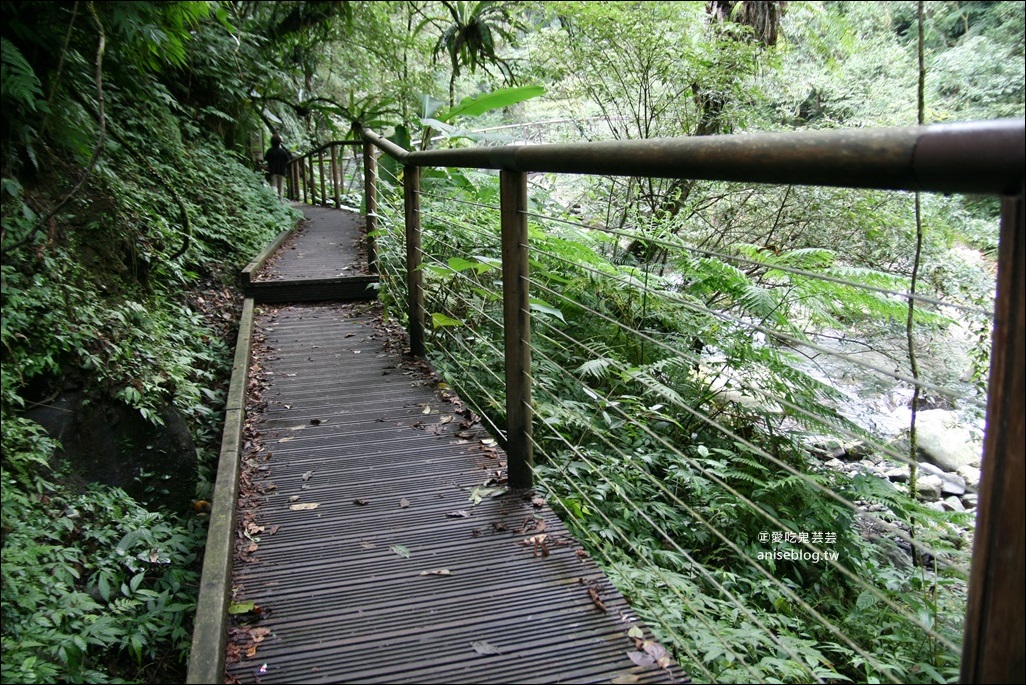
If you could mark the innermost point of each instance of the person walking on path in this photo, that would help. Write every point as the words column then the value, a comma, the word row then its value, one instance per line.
column 277, row 158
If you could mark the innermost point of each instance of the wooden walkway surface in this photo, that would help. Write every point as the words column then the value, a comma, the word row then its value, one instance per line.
column 323, row 260
column 376, row 542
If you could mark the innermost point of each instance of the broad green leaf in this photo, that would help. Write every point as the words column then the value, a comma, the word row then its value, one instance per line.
column 439, row 320
column 545, row 308
column 241, row 607
column 497, row 99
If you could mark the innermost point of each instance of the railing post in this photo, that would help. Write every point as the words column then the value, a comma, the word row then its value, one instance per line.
column 306, row 186
column 516, row 308
column 994, row 631
column 370, row 195
column 313, row 181
column 336, row 176
column 320, row 169
column 414, row 276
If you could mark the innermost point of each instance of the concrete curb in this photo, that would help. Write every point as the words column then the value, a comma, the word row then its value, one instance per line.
column 206, row 660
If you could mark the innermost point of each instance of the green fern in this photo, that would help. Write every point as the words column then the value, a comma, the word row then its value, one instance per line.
column 19, row 85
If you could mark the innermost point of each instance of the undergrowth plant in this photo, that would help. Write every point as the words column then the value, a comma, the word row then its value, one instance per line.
column 96, row 586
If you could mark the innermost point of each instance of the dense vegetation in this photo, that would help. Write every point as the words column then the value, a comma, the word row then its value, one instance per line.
column 130, row 200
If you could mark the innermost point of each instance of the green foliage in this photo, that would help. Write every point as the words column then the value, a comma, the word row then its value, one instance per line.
column 122, row 292
column 95, row 587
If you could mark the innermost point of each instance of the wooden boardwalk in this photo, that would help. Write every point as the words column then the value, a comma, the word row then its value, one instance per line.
column 323, row 260
column 375, row 540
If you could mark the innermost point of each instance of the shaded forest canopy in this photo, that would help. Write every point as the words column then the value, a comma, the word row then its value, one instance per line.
column 132, row 194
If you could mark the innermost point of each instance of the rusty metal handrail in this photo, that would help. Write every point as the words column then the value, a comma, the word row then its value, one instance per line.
column 974, row 157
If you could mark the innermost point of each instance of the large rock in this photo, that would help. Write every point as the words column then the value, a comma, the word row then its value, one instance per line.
column 109, row 442
column 943, row 441
column 929, row 487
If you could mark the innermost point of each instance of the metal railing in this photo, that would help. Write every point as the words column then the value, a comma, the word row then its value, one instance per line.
column 974, row 158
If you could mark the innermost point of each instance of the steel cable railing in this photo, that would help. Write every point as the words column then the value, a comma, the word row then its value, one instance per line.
column 780, row 524
column 468, row 354
column 846, row 428
column 651, row 358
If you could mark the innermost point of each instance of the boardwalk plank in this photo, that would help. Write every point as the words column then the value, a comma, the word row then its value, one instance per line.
column 340, row 422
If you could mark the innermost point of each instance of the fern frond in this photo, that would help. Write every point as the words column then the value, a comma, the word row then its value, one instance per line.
column 18, row 82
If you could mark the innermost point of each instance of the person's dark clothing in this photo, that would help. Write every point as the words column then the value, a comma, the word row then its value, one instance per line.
column 277, row 159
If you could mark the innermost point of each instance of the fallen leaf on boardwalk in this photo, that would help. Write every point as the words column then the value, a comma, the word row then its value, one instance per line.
column 252, row 528
column 241, row 607
column 289, row 406
column 481, row 493
column 427, row 410
column 294, row 498
column 657, row 652
column 361, row 502
column 482, row 647
column 640, row 658
column 259, row 633
column 308, row 475
column 252, row 547
column 458, row 514
column 401, row 550
column 356, row 351
column 251, row 652
column 636, row 633
column 538, row 502
column 274, row 529
column 446, row 419
column 594, row 594
column 368, row 545
column 488, row 441
column 291, row 437
column 304, row 507
column 315, row 422
column 625, row 679
column 439, row 572
column 404, row 503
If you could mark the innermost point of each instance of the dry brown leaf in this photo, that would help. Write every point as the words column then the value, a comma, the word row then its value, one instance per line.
column 640, row 658
column 259, row 634
column 304, row 507
column 437, row 572
column 404, row 503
